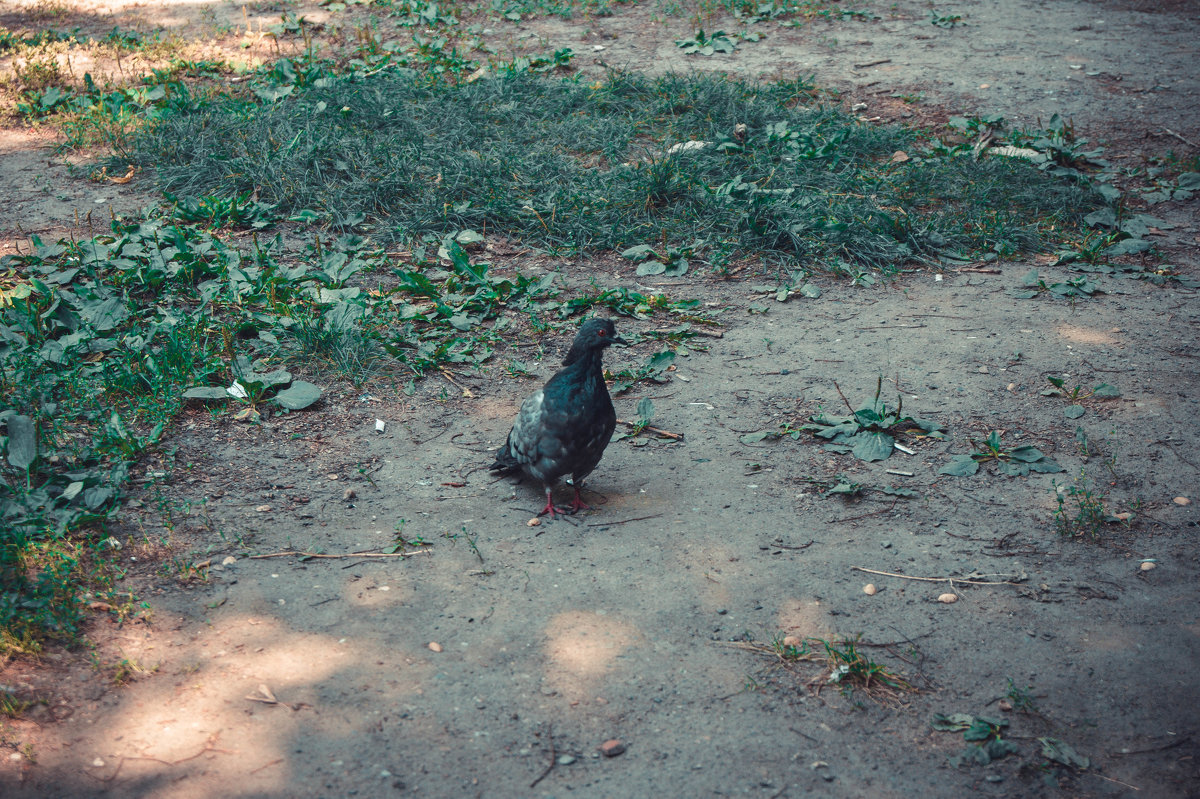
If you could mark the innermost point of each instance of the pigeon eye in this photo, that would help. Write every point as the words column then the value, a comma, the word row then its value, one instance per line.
column 601, row 333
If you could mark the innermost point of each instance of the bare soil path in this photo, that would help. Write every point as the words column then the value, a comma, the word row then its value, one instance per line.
column 497, row 661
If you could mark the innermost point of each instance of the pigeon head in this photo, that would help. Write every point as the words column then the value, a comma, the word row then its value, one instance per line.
column 593, row 336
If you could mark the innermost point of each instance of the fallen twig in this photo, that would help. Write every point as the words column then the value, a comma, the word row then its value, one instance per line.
column 1171, row 745
column 849, row 407
column 951, row 580
column 1176, row 135
column 696, row 331
column 553, row 758
column 293, row 552
column 466, row 392
column 623, row 521
column 655, row 430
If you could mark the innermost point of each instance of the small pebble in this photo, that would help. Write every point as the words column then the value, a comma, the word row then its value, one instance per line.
column 1182, row 501
column 1124, row 516
column 534, row 522
column 793, row 641
column 349, row 494
column 1147, row 565
column 983, row 370
column 870, row 590
column 263, row 509
column 1005, row 705
column 332, row 476
column 98, row 763
column 434, row 646
column 229, row 560
column 565, row 760
column 948, row 599
column 1012, row 386
column 612, row 747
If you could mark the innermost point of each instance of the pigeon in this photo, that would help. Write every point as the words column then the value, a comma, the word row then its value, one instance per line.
column 564, row 427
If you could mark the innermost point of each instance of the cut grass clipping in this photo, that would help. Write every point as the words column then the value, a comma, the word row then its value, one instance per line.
column 845, row 665
column 725, row 168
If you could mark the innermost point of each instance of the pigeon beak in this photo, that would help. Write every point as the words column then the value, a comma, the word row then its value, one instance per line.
column 619, row 340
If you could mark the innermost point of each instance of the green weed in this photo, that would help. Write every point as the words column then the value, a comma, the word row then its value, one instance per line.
column 1080, row 511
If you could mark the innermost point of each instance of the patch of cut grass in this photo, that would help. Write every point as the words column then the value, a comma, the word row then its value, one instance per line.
column 702, row 161
column 844, row 665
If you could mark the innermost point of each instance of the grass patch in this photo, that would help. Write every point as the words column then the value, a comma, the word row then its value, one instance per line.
column 721, row 167
column 844, row 663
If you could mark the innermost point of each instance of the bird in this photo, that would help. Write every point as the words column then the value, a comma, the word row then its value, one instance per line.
column 564, row 427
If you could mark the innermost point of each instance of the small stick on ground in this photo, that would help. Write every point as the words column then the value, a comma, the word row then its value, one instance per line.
column 623, row 521
column 655, row 430
column 296, row 552
column 849, row 407
column 553, row 758
column 951, row 580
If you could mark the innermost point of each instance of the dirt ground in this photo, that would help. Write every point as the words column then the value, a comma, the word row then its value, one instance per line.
column 496, row 662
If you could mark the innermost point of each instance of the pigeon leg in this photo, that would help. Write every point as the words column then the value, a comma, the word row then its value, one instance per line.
column 551, row 508
column 578, row 504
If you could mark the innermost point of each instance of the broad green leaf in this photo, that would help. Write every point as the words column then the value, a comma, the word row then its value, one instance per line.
column 1073, row 411
column 1105, row 217
column 960, row 466
column 298, row 395
column 206, row 393
column 676, row 268
column 1026, row 454
column 810, row 291
column 1060, row 752
column 651, row 268
column 22, row 442
column 873, row 446
column 645, row 410
column 106, row 314
column 1189, row 181
column 1106, row 391
column 761, row 435
column 1031, row 278
column 639, row 253
column 955, row 722
column 1128, row 247
column 1046, row 466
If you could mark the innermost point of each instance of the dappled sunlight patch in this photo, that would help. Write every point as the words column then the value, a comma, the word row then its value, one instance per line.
column 1110, row 638
column 582, row 647
column 803, row 618
column 1081, row 334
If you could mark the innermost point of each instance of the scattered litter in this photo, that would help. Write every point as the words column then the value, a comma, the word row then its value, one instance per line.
column 1147, row 565
column 903, row 448
column 534, row 522
column 899, row 472
column 380, row 425
column 687, row 147
column 1182, row 501
column 948, row 599
column 612, row 747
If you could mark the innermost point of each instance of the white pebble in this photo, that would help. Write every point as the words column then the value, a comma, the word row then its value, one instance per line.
column 948, row 599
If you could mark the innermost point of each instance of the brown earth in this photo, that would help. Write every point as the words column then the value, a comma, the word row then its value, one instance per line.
column 630, row 621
